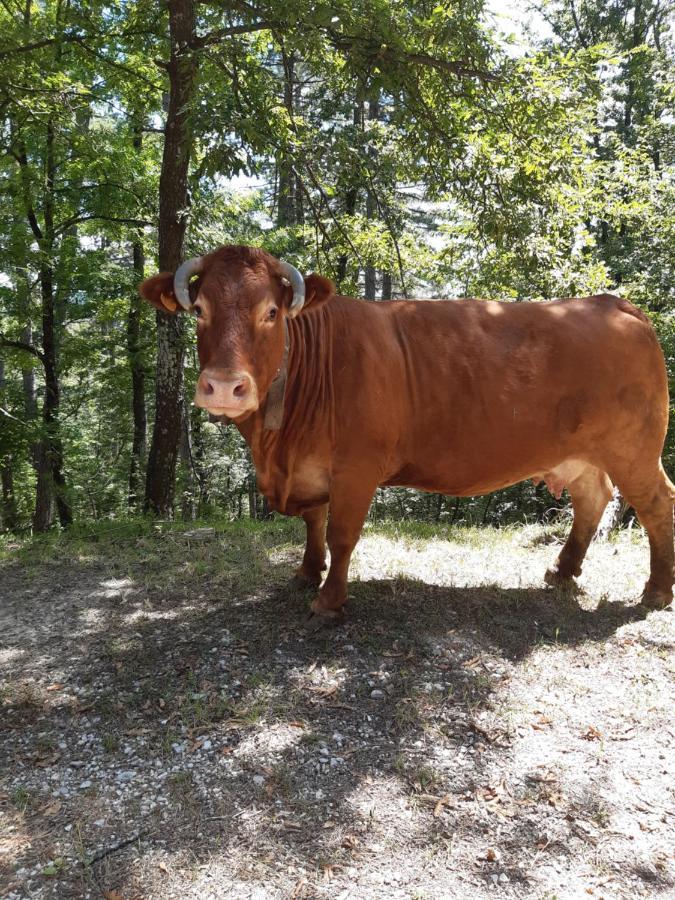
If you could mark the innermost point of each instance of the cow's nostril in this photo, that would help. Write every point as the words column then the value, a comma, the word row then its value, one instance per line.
column 208, row 387
column 240, row 389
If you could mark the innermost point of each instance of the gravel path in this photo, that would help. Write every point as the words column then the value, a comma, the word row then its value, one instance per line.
column 170, row 729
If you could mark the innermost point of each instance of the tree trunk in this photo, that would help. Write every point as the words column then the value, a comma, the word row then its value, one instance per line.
column 252, row 498
column 51, row 488
column 351, row 196
column 173, row 204
column 138, row 445
column 386, row 285
column 188, row 504
column 198, row 454
column 9, row 515
column 370, row 284
column 286, row 207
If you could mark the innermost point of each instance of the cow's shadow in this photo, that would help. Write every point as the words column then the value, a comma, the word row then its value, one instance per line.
column 511, row 620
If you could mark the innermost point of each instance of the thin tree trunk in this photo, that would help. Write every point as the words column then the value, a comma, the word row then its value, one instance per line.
column 188, row 507
column 370, row 282
column 386, row 285
column 198, row 453
column 9, row 514
column 173, row 203
column 51, row 481
column 252, row 498
column 138, row 444
column 287, row 183
column 350, row 199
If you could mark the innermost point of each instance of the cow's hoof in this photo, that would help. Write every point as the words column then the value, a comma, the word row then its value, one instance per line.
column 302, row 582
column 655, row 599
column 318, row 621
column 554, row 578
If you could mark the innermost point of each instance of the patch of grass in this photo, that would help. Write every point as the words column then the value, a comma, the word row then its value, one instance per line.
column 281, row 781
column 422, row 779
column 110, row 742
column 21, row 798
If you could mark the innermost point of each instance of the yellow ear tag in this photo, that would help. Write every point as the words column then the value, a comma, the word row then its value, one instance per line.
column 168, row 303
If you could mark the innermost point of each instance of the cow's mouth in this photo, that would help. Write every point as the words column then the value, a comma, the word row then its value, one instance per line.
column 231, row 412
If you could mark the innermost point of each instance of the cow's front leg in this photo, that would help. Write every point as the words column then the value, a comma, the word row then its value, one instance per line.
column 314, row 561
column 349, row 505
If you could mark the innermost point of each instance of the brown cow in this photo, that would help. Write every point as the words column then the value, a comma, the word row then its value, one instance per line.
column 336, row 396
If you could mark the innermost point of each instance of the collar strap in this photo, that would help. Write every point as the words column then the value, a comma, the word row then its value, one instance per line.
column 274, row 409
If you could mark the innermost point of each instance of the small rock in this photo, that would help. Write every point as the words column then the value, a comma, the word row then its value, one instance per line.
column 85, row 784
column 503, row 877
column 377, row 694
column 258, row 780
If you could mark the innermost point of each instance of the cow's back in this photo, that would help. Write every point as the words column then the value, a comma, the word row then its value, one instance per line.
column 467, row 396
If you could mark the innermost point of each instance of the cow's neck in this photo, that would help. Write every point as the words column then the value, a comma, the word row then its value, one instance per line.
column 308, row 406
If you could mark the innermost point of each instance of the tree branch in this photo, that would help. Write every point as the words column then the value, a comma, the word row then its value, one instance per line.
column 38, row 45
column 22, row 160
column 117, row 65
column 75, row 220
column 460, row 68
column 20, row 345
column 215, row 37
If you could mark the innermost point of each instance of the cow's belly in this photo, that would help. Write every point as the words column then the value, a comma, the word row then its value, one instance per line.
column 557, row 477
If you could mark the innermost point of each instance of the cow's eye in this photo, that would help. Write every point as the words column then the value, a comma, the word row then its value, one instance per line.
column 271, row 314
column 197, row 310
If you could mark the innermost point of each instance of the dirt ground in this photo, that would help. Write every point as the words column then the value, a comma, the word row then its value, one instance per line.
column 170, row 729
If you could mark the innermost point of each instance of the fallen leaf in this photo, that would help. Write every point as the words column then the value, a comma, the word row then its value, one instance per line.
column 471, row 663
column 51, row 809
column 299, row 889
column 442, row 801
column 43, row 761
column 162, row 865
column 541, row 722
column 592, row 734
column 57, row 686
column 112, row 895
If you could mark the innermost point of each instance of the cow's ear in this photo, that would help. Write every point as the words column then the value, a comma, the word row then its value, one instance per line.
column 158, row 290
column 317, row 290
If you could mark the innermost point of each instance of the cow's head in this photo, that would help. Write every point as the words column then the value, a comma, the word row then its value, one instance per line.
column 241, row 296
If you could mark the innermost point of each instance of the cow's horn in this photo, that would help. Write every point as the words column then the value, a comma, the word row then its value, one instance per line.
column 181, row 280
column 298, row 284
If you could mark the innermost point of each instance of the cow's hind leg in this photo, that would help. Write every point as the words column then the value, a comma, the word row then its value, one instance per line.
column 590, row 492
column 314, row 561
column 349, row 502
column 652, row 495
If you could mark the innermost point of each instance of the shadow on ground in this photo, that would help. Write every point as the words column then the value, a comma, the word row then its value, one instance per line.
column 176, row 732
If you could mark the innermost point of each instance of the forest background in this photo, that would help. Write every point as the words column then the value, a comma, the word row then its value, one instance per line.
column 411, row 149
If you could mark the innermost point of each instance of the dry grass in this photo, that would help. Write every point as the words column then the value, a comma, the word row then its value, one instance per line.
column 169, row 729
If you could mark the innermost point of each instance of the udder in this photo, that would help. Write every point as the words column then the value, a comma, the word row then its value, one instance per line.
column 559, row 477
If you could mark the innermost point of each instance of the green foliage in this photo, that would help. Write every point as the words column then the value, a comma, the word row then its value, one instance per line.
column 399, row 143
